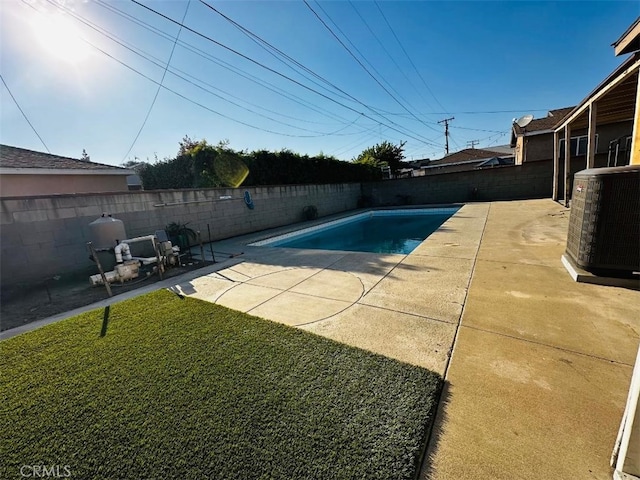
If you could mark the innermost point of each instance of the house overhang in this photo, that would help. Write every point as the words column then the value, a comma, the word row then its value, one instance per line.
column 531, row 134
column 629, row 41
column 62, row 171
column 616, row 98
column 515, row 135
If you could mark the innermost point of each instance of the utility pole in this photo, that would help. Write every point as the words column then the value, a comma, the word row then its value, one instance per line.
column 446, row 132
column 473, row 143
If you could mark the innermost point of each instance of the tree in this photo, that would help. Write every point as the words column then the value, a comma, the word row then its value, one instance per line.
column 384, row 154
column 199, row 164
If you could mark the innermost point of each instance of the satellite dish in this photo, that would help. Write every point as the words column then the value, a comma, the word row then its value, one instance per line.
column 524, row 120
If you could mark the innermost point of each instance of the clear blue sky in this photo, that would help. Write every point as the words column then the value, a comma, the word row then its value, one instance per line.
column 483, row 63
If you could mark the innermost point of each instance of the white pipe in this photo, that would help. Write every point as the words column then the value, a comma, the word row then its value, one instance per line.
column 122, row 248
column 152, row 238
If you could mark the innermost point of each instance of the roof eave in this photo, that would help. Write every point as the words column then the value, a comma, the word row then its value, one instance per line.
column 628, row 67
column 63, row 171
column 534, row 132
column 629, row 41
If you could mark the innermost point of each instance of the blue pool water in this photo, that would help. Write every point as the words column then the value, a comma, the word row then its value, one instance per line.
column 382, row 231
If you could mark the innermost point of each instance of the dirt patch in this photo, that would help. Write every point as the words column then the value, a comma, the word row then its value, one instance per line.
column 28, row 303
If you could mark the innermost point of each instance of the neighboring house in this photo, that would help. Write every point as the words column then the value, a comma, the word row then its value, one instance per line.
column 467, row 159
column 604, row 128
column 26, row 173
column 534, row 141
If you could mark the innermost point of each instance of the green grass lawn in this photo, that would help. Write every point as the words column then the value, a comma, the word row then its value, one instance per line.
column 184, row 389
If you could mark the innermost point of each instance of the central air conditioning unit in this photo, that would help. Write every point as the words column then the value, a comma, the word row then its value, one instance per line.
column 604, row 223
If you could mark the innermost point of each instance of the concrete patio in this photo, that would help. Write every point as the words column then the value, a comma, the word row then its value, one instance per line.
column 537, row 367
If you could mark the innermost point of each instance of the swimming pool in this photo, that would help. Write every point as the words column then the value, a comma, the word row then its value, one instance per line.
column 378, row 231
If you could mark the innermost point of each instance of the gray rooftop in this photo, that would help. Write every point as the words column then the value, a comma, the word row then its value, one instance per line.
column 14, row 157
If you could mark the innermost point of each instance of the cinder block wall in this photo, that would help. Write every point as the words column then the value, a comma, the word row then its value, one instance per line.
column 534, row 180
column 45, row 236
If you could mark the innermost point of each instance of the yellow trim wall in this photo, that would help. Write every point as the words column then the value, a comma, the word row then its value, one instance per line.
column 635, row 143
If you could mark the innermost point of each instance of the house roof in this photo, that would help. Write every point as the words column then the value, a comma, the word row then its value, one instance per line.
column 469, row 154
column 501, row 149
column 543, row 124
column 616, row 96
column 629, row 41
column 20, row 160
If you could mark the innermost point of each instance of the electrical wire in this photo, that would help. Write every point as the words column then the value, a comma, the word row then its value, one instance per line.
column 393, row 60
column 189, row 99
column 24, row 114
column 306, row 87
column 476, row 129
column 280, row 55
column 149, row 57
column 257, row 38
column 358, row 60
column 252, row 78
column 408, row 57
column 205, row 55
column 164, row 73
column 364, row 58
column 476, row 112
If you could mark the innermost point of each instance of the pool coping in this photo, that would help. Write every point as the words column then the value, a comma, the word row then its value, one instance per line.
column 299, row 233
column 247, row 239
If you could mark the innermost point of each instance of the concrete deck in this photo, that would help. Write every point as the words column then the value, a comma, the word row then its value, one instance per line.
column 537, row 367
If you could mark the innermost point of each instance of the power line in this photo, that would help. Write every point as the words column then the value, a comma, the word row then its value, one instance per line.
column 257, row 38
column 356, row 58
column 364, row 58
column 407, row 55
column 252, row 78
column 399, row 68
column 24, row 114
column 478, row 129
column 189, row 99
column 149, row 57
column 476, row 112
column 272, row 50
column 306, row 87
column 207, row 57
column 164, row 73
column 236, row 52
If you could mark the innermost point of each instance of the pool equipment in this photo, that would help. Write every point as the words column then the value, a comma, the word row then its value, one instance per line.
column 116, row 253
column 105, row 233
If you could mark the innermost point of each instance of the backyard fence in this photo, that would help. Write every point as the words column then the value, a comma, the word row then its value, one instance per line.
column 46, row 236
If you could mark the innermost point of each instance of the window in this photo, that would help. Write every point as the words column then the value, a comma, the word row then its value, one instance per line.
column 578, row 146
column 619, row 151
